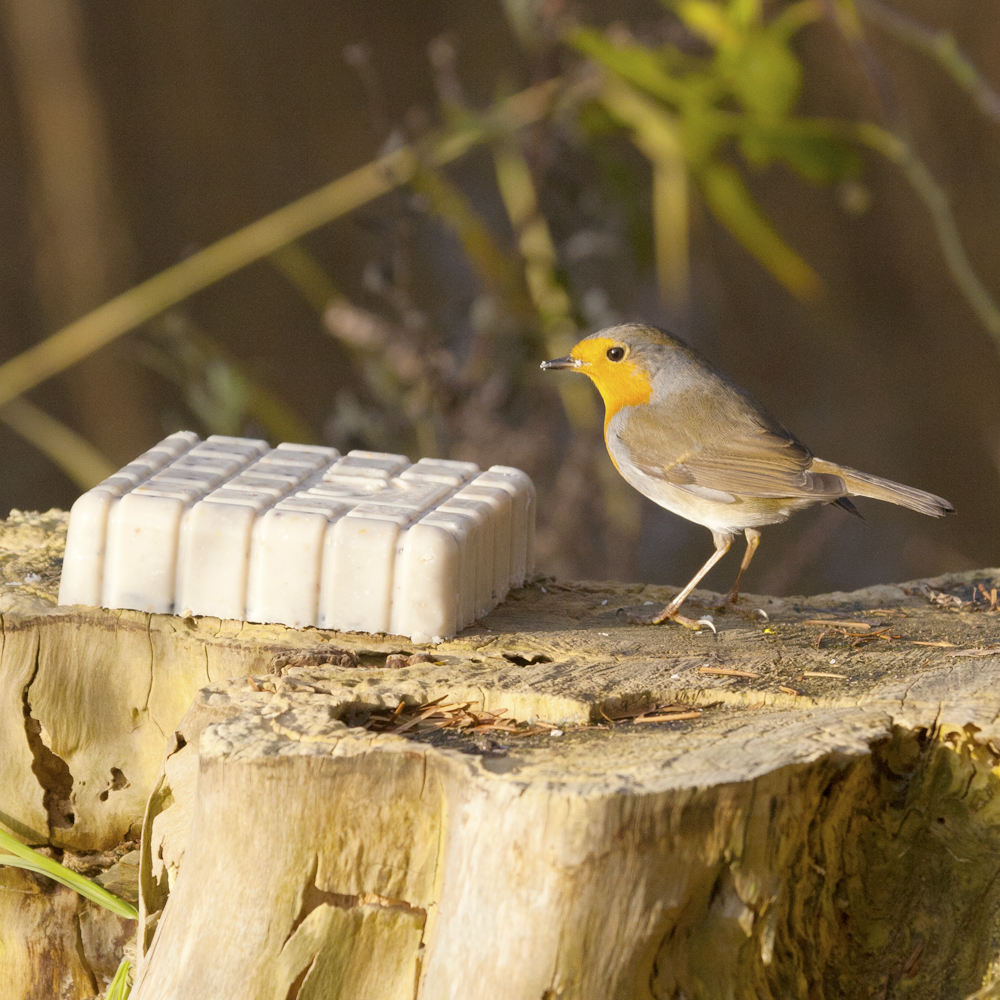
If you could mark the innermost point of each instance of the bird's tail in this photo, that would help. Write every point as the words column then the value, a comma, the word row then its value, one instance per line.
column 862, row 484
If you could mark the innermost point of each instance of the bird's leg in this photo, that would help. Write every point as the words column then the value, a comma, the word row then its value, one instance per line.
column 722, row 542
column 753, row 540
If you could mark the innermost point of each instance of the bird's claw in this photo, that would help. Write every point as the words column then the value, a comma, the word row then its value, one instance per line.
column 694, row 624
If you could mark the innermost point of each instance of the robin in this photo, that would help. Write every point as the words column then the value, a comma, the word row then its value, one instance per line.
column 690, row 439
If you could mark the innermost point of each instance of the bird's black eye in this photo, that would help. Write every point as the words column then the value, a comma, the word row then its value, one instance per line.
column 616, row 353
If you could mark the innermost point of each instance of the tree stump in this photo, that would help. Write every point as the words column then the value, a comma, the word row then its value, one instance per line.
column 817, row 816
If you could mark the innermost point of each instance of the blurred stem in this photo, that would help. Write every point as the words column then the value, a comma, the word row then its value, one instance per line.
column 261, row 238
column 305, row 274
column 731, row 203
column 559, row 329
column 656, row 134
column 900, row 152
column 78, row 458
column 941, row 46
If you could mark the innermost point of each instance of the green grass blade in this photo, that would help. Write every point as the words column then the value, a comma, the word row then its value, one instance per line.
column 120, row 987
column 25, row 857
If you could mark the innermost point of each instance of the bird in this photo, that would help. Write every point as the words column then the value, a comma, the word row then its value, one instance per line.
column 688, row 437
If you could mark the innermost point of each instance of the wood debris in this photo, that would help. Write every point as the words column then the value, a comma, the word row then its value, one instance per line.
column 822, row 673
column 980, row 651
column 788, row 690
column 434, row 715
column 858, row 626
column 990, row 597
column 725, row 671
column 396, row 660
column 656, row 713
column 859, row 631
column 322, row 656
column 669, row 717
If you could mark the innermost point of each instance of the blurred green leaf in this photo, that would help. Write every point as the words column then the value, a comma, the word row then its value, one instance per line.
column 709, row 20
column 734, row 207
column 766, row 76
column 648, row 69
column 813, row 148
column 796, row 16
column 744, row 13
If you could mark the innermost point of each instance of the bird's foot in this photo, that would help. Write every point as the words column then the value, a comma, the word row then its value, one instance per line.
column 658, row 617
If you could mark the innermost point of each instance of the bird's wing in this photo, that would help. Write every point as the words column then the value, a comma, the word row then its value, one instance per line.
column 739, row 453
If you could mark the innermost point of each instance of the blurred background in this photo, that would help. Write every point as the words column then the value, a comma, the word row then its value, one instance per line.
column 809, row 192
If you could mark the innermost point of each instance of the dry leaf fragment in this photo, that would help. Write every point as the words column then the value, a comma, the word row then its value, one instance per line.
column 822, row 673
column 787, row 690
column 942, row 643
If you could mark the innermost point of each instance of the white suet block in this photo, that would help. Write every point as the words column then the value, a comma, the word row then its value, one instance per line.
column 301, row 535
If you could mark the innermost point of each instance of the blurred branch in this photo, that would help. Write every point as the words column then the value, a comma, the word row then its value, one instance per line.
column 261, row 238
column 900, row 152
column 78, row 458
column 942, row 47
column 560, row 331
column 894, row 144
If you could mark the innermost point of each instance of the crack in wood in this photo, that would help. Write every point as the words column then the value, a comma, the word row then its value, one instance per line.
column 50, row 769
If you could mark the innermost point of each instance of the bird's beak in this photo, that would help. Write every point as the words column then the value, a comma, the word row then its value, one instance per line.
column 566, row 362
